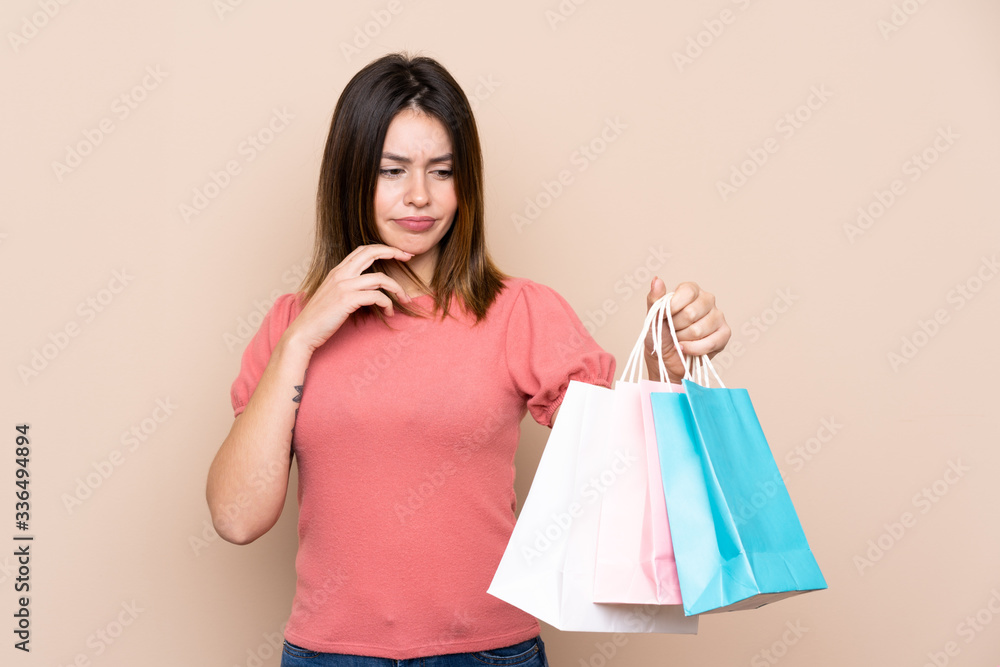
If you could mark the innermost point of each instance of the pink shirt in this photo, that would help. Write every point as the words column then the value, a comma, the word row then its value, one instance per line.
column 405, row 444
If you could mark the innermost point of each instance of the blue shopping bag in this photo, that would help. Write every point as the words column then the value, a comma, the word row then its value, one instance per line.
column 737, row 540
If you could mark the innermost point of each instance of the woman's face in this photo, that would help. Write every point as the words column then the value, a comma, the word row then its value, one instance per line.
column 415, row 200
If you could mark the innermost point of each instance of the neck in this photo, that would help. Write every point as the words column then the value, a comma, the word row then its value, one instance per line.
column 423, row 265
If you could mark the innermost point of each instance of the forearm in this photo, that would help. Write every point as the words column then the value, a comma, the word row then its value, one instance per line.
column 248, row 479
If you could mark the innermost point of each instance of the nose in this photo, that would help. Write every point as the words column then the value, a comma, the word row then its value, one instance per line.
column 416, row 193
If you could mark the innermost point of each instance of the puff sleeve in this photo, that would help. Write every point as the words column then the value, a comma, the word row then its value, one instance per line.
column 258, row 350
column 547, row 346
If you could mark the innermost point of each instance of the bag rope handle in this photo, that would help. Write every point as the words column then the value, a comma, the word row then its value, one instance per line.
column 632, row 372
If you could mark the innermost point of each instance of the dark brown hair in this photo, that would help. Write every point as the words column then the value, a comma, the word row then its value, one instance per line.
column 345, row 208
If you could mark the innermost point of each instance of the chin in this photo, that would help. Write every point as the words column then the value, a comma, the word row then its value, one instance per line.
column 414, row 243
column 417, row 250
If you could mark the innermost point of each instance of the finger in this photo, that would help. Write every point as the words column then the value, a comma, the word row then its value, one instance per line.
column 698, row 308
column 362, row 249
column 684, row 295
column 368, row 254
column 384, row 302
column 657, row 288
column 702, row 327
column 353, row 255
column 372, row 298
column 375, row 282
column 709, row 345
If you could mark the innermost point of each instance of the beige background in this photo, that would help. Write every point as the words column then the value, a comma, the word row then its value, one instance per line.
column 174, row 331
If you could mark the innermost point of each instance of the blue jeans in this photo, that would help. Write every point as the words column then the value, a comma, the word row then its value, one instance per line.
column 530, row 653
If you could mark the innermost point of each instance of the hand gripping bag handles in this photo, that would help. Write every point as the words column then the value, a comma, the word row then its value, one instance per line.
column 635, row 557
column 548, row 567
column 737, row 539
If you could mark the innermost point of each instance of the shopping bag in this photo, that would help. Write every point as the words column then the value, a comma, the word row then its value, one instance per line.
column 737, row 539
column 547, row 568
column 635, row 557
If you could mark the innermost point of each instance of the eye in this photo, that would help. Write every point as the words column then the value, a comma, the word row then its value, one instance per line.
column 443, row 173
column 391, row 172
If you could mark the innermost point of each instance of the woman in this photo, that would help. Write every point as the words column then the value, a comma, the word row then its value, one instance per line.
column 422, row 360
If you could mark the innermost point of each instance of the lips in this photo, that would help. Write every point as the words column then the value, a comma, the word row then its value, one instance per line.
column 415, row 224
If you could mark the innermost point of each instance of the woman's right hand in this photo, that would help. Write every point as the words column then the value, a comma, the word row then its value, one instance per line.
column 343, row 291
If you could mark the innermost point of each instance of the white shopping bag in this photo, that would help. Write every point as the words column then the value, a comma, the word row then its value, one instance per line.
column 548, row 567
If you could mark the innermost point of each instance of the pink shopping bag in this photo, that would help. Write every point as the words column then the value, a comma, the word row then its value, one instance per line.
column 635, row 556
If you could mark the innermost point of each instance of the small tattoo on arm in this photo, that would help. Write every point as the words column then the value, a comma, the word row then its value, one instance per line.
column 298, row 399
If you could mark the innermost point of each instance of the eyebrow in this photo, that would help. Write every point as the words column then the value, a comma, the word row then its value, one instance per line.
column 447, row 157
